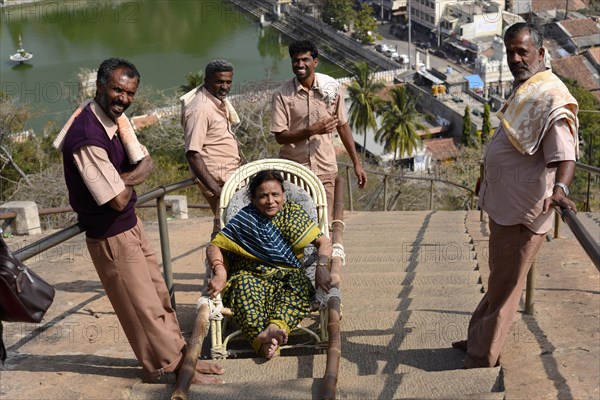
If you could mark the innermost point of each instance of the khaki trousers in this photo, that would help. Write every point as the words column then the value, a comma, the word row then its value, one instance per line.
column 213, row 201
column 129, row 271
column 512, row 251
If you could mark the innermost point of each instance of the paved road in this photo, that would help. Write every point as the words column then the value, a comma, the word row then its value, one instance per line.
column 402, row 48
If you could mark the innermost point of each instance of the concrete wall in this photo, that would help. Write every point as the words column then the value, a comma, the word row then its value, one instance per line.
column 426, row 101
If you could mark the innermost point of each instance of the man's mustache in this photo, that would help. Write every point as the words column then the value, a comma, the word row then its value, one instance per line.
column 513, row 66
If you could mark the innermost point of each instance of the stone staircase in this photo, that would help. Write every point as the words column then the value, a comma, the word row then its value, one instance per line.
column 409, row 286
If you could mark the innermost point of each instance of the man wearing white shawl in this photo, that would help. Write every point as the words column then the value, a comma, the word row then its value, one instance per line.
column 211, row 147
column 305, row 111
column 529, row 164
column 100, row 175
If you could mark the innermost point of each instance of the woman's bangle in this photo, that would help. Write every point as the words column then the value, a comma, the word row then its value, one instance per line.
column 320, row 264
column 215, row 263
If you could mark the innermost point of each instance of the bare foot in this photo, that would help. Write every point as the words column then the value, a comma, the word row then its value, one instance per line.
column 205, row 371
column 204, row 367
column 271, row 338
column 273, row 332
column 269, row 350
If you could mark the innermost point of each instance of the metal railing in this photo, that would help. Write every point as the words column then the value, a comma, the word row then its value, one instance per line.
column 590, row 170
column 159, row 194
column 386, row 176
column 587, row 242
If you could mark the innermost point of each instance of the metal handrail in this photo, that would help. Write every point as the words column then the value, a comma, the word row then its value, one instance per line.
column 588, row 168
column 417, row 178
column 73, row 230
column 591, row 247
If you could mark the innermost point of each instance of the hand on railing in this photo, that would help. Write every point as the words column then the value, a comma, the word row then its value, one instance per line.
column 559, row 199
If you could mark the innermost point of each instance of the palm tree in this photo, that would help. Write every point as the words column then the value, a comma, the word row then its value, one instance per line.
column 193, row 79
column 363, row 92
column 400, row 123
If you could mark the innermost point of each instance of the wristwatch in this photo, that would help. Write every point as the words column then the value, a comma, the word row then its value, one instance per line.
column 563, row 187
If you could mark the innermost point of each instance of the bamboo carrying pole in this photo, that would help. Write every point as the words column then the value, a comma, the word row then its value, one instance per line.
column 190, row 359
column 334, row 348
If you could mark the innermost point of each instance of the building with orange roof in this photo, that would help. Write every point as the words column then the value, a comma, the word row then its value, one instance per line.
column 574, row 35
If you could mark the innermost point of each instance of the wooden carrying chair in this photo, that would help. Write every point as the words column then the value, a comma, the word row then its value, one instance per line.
column 301, row 186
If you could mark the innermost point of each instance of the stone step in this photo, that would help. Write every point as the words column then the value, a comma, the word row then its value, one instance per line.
column 364, row 294
column 436, row 251
column 391, row 331
column 463, row 384
column 372, row 267
column 460, row 302
column 440, row 258
column 397, row 279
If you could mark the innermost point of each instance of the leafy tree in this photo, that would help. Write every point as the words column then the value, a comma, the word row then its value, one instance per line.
column 363, row 93
column 365, row 24
column 338, row 13
column 400, row 123
column 467, row 136
column 589, row 126
column 589, row 123
column 12, row 121
column 486, row 130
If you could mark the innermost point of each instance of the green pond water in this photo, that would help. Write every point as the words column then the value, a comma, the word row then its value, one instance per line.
column 164, row 39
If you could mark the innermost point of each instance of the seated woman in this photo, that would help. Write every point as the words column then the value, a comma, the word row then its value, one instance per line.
column 261, row 278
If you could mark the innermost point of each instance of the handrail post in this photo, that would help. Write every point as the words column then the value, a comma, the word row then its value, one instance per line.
column 349, row 183
column 431, row 195
column 165, row 247
column 385, row 190
column 556, row 225
column 587, row 197
column 530, row 291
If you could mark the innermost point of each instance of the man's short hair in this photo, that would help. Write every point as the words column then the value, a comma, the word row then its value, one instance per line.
column 534, row 32
column 108, row 66
column 303, row 46
column 217, row 66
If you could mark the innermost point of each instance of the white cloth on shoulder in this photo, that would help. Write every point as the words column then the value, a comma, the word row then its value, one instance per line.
column 187, row 98
column 328, row 87
column 133, row 148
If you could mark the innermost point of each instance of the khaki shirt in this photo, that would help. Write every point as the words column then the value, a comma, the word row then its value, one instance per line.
column 515, row 184
column 295, row 108
column 207, row 130
column 100, row 176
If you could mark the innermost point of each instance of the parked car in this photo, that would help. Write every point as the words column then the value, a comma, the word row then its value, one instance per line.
column 391, row 53
column 382, row 47
column 402, row 59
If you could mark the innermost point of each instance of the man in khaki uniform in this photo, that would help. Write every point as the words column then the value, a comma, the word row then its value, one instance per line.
column 305, row 111
column 100, row 178
column 529, row 164
column 211, row 147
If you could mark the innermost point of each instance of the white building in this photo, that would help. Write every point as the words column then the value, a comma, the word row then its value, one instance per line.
column 494, row 71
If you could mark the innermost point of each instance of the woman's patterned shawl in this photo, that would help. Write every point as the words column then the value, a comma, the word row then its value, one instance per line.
column 278, row 242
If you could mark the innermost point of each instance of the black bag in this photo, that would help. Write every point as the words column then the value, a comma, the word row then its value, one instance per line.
column 24, row 296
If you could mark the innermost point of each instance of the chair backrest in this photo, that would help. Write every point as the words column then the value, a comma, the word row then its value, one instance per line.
column 292, row 172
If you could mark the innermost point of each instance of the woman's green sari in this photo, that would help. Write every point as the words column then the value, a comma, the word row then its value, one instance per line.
column 262, row 288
